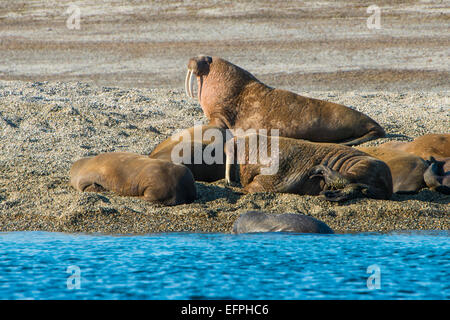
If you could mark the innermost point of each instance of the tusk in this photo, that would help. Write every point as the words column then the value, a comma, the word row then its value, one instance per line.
column 186, row 83
column 200, row 87
column 229, row 159
column 191, row 85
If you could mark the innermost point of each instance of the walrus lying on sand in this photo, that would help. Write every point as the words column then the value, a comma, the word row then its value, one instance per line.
column 130, row 174
column 426, row 146
column 437, row 176
column 199, row 148
column 337, row 172
column 407, row 170
column 233, row 98
column 256, row 221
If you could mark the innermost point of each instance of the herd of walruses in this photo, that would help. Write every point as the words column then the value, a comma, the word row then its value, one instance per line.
column 269, row 140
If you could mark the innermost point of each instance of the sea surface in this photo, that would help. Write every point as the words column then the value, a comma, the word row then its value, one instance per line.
column 405, row 265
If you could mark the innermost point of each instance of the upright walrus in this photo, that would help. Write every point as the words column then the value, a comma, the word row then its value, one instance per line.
column 335, row 171
column 233, row 98
column 200, row 148
column 130, row 174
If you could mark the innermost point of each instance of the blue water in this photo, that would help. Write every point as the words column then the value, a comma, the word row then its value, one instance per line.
column 41, row 265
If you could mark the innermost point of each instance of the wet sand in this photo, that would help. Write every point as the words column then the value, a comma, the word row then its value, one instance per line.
column 117, row 85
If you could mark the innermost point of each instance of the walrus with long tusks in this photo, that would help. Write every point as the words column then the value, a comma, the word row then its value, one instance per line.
column 436, row 145
column 334, row 171
column 130, row 174
column 407, row 170
column 200, row 148
column 256, row 221
column 233, row 98
column 437, row 176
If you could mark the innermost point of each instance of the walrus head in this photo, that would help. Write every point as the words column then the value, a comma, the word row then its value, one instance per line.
column 198, row 66
column 219, row 83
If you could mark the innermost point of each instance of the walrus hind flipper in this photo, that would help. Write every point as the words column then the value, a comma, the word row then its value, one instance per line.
column 95, row 187
column 333, row 179
column 434, row 176
column 373, row 134
column 352, row 191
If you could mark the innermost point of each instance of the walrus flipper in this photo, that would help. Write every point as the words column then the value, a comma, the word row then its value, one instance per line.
column 337, row 186
column 375, row 133
column 94, row 187
column 352, row 191
column 436, row 178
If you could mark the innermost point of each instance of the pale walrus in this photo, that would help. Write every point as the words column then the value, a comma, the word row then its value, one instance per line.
column 255, row 221
column 407, row 170
column 437, row 176
column 233, row 98
column 429, row 145
column 199, row 148
column 130, row 174
column 335, row 171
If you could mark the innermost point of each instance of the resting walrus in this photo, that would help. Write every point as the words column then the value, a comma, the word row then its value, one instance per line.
column 429, row 145
column 233, row 98
column 337, row 172
column 199, row 148
column 255, row 221
column 407, row 170
column 130, row 174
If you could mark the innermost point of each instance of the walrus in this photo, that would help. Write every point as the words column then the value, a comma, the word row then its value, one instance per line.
column 302, row 167
column 407, row 170
column 130, row 174
column 437, row 176
column 203, row 146
column 231, row 97
column 256, row 221
column 436, row 145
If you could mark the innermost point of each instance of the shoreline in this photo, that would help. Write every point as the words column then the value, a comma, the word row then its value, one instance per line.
column 46, row 126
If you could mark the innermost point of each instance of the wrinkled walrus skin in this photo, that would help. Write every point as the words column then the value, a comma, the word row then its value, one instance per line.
column 130, row 174
column 256, row 221
column 429, row 145
column 334, row 171
column 233, row 98
column 201, row 171
column 407, row 170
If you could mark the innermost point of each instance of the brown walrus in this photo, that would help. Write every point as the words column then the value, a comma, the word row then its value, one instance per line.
column 335, row 171
column 407, row 170
column 199, row 148
column 426, row 146
column 437, row 176
column 130, row 174
column 233, row 98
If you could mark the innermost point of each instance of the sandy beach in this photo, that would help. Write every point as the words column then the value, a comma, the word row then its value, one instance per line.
column 116, row 84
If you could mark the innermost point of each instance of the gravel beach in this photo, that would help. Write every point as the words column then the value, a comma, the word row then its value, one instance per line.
column 117, row 85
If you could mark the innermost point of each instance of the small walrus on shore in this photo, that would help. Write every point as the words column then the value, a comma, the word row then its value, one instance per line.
column 233, row 98
column 407, row 170
column 130, row 174
column 199, row 148
column 297, row 166
column 436, row 145
column 256, row 221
